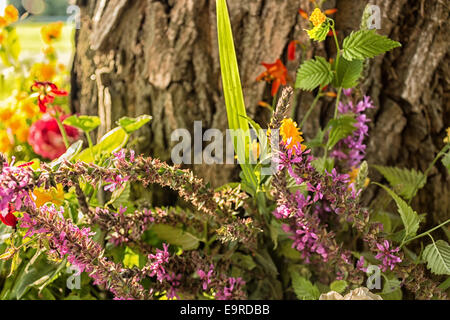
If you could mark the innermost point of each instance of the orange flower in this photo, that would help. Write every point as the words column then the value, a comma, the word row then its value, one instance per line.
column 275, row 73
column 51, row 32
column 11, row 14
column 303, row 14
column 55, row 195
column 291, row 134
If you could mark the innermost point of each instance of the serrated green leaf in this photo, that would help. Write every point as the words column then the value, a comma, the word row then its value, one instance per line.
column 405, row 182
column 84, row 123
column 391, row 285
column 339, row 286
column 133, row 124
column 365, row 44
column 437, row 255
column 176, row 236
column 303, row 288
column 340, row 128
column 348, row 73
column 314, row 73
column 410, row 218
column 243, row 260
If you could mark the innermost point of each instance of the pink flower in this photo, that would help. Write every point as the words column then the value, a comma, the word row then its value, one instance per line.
column 387, row 255
column 46, row 138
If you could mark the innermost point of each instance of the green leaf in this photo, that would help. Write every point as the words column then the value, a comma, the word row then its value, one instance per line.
column 132, row 259
column 111, row 142
column 446, row 161
column 314, row 73
column 35, row 273
column 133, row 124
column 437, row 255
column 73, row 150
column 232, row 89
column 405, row 182
column 391, row 285
column 321, row 164
column 365, row 44
column 348, row 73
column 340, row 128
column 339, row 286
column 84, row 123
column 445, row 285
column 303, row 288
column 409, row 217
column 243, row 260
column 176, row 236
column 120, row 196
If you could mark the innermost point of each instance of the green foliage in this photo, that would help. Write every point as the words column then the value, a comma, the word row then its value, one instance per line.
column 314, row 73
column 303, row 288
column 176, row 236
column 405, row 182
column 348, row 73
column 111, row 142
column 446, row 161
column 71, row 152
column 339, row 286
column 365, row 44
column 232, row 89
column 437, row 256
column 133, row 124
column 410, row 218
column 84, row 123
column 340, row 128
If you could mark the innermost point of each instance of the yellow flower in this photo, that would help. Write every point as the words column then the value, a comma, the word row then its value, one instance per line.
column 44, row 72
column 29, row 109
column 321, row 26
column 6, row 113
column 447, row 138
column 54, row 195
column 51, row 32
column 5, row 142
column 11, row 14
column 290, row 133
column 317, row 17
column 354, row 175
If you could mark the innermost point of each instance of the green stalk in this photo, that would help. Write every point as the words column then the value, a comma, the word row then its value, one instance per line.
column 91, row 145
column 63, row 130
column 427, row 172
column 313, row 105
column 426, row 233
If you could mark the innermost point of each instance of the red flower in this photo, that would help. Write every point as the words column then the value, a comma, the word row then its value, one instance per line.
column 46, row 138
column 275, row 73
column 10, row 219
column 47, row 93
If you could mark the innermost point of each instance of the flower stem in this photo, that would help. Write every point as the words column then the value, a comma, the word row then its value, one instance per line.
column 427, row 172
column 313, row 105
column 91, row 146
column 338, row 99
column 63, row 130
column 426, row 233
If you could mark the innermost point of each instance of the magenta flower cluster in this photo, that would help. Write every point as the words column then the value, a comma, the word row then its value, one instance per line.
column 352, row 149
column 387, row 256
column 15, row 187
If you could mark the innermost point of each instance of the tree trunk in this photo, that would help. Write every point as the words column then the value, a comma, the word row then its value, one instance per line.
column 161, row 58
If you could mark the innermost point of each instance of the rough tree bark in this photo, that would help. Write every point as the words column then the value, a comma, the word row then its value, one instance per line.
column 161, row 58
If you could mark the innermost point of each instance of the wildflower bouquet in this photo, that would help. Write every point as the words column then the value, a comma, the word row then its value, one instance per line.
column 293, row 227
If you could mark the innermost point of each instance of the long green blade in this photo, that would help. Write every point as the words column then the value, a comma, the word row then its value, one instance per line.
column 234, row 98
